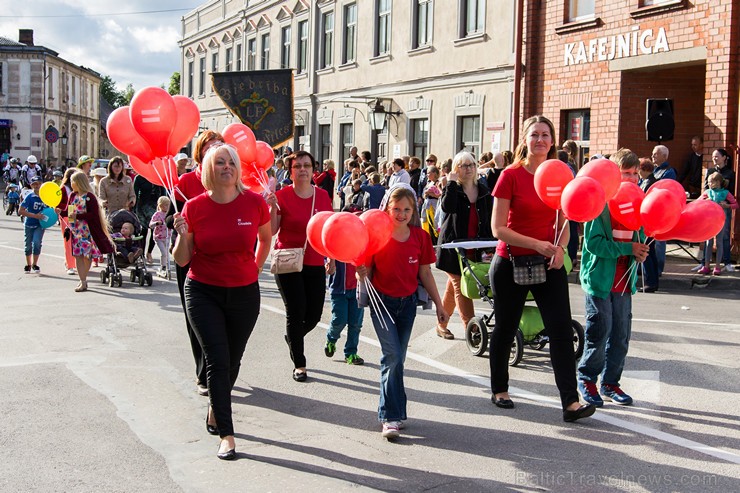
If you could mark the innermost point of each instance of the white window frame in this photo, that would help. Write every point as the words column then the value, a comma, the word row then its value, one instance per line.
column 419, row 7
column 349, row 41
column 252, row 53
column 383, row 27
column 479, row 9
column 576, row 10
column 229, row 59
column 238, row 64
column 265, row 51
column 301, row 61
column 191, row 78
column 285, row 45
column 327, row 39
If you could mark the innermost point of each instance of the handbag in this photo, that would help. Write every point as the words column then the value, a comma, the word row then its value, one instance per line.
column 288, row 260
column 528, row 269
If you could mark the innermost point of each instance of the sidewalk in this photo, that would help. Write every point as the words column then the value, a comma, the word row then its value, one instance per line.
column 677, row 275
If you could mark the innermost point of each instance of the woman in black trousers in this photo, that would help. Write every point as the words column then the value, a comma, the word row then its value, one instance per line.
column 217, row 232
column 303, row 292
column 525, row 226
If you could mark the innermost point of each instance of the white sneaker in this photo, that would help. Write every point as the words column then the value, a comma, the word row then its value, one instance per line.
column 71, row 272
column 390, row 430
column 694, row 269
column 729, row 268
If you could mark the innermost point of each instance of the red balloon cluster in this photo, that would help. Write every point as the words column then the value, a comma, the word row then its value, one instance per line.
column 662, row 212
column 256, row 156
column 347, row 237
column 152, row 130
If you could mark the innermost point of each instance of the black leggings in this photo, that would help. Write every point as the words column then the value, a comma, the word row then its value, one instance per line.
column 223, row 319
column 303, row 295
column 200, row 360
column 554, row 304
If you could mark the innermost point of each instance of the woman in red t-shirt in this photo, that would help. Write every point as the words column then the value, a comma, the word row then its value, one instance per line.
column 191, row 186
column 217, row 231
column 302, row 292
column 524, row 225
column 396, row 271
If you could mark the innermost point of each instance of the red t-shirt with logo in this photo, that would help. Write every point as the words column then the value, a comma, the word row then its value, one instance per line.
column 295, row 213
column 528, row 215
column 396, row 266
column 190, row 185
column 224, row 237
column 624, row 235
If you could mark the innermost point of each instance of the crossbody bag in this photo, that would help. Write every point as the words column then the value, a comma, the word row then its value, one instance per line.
column 287, row 260
column 528, row 269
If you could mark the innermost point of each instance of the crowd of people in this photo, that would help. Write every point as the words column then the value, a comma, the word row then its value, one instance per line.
column 223, row 234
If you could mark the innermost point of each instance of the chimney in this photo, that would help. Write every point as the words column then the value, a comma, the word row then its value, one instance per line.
column 25, row 36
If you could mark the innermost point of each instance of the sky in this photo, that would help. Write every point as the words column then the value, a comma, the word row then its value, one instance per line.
column 138, row 48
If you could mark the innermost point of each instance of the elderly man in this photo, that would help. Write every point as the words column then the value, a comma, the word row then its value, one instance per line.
column 663, row 170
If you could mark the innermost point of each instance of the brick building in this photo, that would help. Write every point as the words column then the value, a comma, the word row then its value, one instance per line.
column 591, row 65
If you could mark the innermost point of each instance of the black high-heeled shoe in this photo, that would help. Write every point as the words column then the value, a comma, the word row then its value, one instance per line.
column 213, row 430
column 228, row 455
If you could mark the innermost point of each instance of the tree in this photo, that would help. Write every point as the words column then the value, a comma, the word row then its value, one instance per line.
column 109, row 92
column 174, row 88
column 125, row 96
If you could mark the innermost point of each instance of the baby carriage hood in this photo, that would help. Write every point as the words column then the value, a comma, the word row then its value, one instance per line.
column 118, row 218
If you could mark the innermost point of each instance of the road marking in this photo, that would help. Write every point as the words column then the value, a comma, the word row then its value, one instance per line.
column 23, row 250
column 548, row 401
column 682, row 322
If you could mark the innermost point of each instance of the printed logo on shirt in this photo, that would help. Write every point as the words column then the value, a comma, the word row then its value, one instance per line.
column 413, row 260
column 239, row 222
column 620, row 234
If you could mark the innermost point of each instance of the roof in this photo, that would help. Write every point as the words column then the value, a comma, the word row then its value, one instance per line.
column 9, row 42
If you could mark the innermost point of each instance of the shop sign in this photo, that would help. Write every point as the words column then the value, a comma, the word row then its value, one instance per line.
column 633, row 43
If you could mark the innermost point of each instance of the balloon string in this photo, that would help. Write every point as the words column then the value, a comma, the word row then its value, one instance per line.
column 374, row 305
column 633, row 268
column 379, row 301
column 167, row 185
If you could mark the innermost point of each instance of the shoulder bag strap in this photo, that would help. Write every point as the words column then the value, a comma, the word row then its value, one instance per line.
column 313, row 204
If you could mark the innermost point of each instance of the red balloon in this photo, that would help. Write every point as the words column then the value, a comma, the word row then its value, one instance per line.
column 188, row 119
column 583, row 199
column 124, row 137
column 253, row 178
column 550, row 179
column 379, row 228
column 672, row 186
column 699, row 221
column 241, row 137
column 625, row 206
column 659, row 212
column 159, row 172
column 314, row 230
column 153, row 115
column 264, row 155
column 605, row 172
column 344, row 236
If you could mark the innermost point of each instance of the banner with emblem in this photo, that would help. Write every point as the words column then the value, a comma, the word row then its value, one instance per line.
column 261, row 99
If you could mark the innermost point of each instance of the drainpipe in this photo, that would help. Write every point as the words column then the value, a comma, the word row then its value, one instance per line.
column 518, row 70
column 315, row 23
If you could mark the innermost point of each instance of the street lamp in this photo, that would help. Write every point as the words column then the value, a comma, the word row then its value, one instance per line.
column 379, row 115
column 64, row 139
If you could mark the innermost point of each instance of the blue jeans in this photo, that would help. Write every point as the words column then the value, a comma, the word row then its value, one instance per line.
column 651, row 267
column 723, row 243
column 660, row 247
column 393, row 344
column 344, row 311
column 726, row 240
column 33, row 236
column 608, row 329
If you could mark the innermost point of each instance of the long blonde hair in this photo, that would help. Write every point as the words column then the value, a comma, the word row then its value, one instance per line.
column 80, row 181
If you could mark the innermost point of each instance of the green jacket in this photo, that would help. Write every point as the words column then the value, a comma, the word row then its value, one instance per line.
column 600, row 254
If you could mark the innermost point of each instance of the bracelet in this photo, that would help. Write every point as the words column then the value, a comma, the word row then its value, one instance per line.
column 562, row 248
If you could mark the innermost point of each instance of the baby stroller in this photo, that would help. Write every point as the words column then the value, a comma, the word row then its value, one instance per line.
column 475, row 284
column 115, row 262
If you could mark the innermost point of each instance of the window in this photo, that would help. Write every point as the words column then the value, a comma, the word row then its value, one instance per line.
column 347, row 137
column 285, row 53
column 1, row 78
column 578, row 128
column 473, row 17
column 191, row 74
column 229, row 52
column 327, row 43
column 420, row 137
column 238, row 58
column 423, row 10
column 73, row 90
column 265, row 62
column 580, row 9
column 214, row 62
column 300, row 131
column 252, row 54
column 383, row 28
column 470, row 126
column 350, row 33
column 202, row 77
column 325, row 136
column 301, row 62
column 50, row 82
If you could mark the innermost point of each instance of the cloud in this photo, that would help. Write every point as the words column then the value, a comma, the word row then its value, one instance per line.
column 161, row 39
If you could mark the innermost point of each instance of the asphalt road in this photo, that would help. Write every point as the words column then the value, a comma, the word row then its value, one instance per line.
column 97, row 394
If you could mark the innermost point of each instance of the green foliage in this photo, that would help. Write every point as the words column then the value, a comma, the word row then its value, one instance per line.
column 174, row 88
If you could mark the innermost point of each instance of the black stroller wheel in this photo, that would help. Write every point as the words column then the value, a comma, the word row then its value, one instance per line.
column 103, row 276
column 578, row 337
column 112, row 281
column 148, row 278
column 476, row 336
column 132, row 276
column 517, row 348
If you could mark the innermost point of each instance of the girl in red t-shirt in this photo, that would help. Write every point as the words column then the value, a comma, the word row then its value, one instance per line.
column 217, row 231
column 302, row 292
column 396, row 271
column 524, row 225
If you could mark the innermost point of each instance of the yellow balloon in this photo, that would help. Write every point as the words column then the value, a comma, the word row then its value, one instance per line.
column 50, row 194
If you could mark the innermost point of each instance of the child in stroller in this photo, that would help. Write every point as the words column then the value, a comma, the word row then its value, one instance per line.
column 129, row 240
